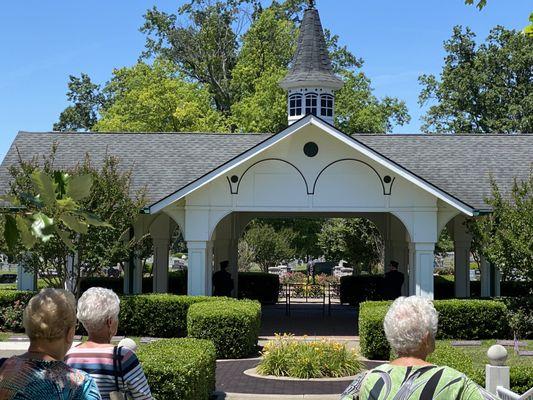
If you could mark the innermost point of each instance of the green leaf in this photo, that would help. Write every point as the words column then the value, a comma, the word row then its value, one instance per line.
column 42, row 226
column 94, row 220
column 45, row 186
column 68, row 204
column 78, row 225
column 32, row 200
column 79, row 187
column 61, row 179
column 26, row 236
column 11, row 233
column 65, row 237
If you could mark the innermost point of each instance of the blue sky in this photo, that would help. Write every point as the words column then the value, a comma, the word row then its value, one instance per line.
column 43, row 42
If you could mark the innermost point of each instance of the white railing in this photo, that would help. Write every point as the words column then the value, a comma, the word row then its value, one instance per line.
column 506, row 394
column 497, row 379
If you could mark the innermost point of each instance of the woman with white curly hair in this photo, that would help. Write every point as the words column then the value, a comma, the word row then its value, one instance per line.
column 410, row 327
column 116, row 369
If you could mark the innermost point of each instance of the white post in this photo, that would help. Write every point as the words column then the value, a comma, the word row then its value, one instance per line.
column 160, row 267
column 484, row 269
column 26, row 280
column 462, row 268
column 423, row 258
column 137, row 272
column 400, row 253
column 234, row 265
column 72, row 272
column 200, row 269
column 497, row 281
column 497, row 373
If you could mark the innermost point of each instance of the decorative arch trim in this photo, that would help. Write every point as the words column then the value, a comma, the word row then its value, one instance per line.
column 236, row 190
column 386, row 191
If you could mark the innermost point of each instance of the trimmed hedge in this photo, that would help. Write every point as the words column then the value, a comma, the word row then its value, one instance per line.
column 356, row 289
column 177, row 283
column 259, row 286
column 360, row 288
column 232, row 325
column 372, row 338
column 446, row 354
column 157, row 315
column 179, row 368
column 458, row 319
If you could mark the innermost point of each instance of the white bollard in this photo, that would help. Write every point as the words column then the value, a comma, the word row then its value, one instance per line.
column 497, row 373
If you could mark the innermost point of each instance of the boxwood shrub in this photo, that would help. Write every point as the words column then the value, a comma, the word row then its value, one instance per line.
column 458, row 319
column 156, row 315
column 446, row 354
column 232, row 325
column 179, row 368
column 259, row 286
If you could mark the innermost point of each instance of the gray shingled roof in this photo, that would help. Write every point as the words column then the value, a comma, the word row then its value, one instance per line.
column 460, row 165
column 162, row 163
column 311, row 61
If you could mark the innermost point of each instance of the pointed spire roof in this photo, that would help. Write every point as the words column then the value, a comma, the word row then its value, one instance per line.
column 311, row 63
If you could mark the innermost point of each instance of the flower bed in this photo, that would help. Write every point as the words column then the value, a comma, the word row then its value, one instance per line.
column 287, row 357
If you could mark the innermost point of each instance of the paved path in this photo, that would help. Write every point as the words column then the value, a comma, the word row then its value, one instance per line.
column 231, row 379
column 308, row 319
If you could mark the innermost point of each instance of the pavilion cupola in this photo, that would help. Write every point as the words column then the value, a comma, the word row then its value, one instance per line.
column 311, row 82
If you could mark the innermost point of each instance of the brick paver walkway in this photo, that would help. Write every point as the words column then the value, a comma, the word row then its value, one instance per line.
column 231, row 379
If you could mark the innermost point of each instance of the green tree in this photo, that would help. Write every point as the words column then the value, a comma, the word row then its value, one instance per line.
column 305, row 238
column 148, row 98
column 359, row 111
column 269, row 246
column 86, row 99
column 354, row 240
column 482, row 88
column 61, row 209
column 505, row 237
column 211, row 74
column 480, row 3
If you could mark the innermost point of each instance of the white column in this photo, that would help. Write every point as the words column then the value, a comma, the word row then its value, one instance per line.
column 497, row 281
column 412, row 269
column 233, row 250
column 200, row 269
column 423, row 258
column 400, row 253
column 221, row 252
column 462, row 268
column 160, row 267
column 484, row 269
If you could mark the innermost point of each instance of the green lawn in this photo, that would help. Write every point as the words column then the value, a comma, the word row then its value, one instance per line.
column 479, row 354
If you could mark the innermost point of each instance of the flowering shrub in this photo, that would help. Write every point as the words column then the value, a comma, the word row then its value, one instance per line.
column 12, row 317
column 293, row 277
column 286, row 356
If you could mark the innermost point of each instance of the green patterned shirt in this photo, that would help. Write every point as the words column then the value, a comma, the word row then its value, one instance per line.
column 391, row 382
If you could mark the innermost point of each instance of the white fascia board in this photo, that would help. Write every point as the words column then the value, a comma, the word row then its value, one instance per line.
column 385, row 162
column 158, row 206
column 311, row 120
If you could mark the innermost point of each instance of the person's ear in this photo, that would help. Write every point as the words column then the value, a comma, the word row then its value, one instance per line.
column 70, row 333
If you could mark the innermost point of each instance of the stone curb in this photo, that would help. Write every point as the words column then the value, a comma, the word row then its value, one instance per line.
column 246, row 396
column 254, row 374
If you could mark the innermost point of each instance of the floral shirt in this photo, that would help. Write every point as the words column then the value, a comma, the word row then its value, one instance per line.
column 27, row 379
column 388, row 382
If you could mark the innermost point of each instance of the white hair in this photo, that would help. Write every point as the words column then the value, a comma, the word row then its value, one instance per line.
column 408, row 322
column 96, row 306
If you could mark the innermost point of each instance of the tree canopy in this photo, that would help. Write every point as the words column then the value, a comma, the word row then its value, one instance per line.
column 482, row 88
column 505, row 237
column 216, row 66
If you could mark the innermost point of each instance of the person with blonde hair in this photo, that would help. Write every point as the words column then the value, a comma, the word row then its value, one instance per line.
column 40, row 373
column 116, row 369
column 411, row 327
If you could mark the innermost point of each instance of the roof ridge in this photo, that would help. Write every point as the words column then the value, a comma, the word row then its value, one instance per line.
column 144, row 133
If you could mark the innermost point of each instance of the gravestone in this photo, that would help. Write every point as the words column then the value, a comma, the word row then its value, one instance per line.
column 466, row 343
